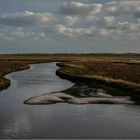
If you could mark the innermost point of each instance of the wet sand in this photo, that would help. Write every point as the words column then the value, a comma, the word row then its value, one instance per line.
column 80, row 93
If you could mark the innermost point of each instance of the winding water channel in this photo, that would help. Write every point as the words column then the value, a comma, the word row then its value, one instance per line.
column 62, row 120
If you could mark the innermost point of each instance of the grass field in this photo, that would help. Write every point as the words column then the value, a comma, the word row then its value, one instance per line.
column 119, row 73
column 12, row 63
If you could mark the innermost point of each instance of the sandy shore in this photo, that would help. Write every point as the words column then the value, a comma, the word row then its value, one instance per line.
column 79, row 94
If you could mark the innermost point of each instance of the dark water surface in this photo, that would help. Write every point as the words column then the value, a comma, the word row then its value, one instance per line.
column 62, row 120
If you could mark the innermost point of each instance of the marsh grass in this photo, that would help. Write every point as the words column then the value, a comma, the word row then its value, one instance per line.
column 107, row 70
column 118, row 78
column 111, row 71
column 8, row 67
column 4, row 83
column 16, row 62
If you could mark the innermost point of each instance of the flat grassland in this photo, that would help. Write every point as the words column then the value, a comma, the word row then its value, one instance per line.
column 117, row 73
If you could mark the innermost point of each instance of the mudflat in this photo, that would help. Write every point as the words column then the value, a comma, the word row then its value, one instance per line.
column 118, row 74
column 78, row 94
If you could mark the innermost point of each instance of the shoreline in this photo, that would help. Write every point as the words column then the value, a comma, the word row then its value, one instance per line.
column 72, row 68
column 6, row 81
column 112, row 86
column 78, row 94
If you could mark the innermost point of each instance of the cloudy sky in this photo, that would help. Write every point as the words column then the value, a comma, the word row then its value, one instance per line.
column 66, row 26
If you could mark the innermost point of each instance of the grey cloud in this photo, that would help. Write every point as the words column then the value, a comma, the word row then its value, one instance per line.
column 112, row 22
column 26, row 18
column 70, row 20
column 79, row 8
column 122, row 7
column 122, row 29
column 69, row 25
column 108, row 22
column 20, row 34
column 65, row 31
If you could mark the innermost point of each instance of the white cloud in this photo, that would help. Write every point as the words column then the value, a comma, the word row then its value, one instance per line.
column 20, row 34
column 27, row 34
column 69, row 20
column 26, row 18
column 78, row 20
column 69, row 31
column 79, row 8
column 123, row 7
column 122, row 30
column 65, row 31
column 112, row 22
column 109, row 21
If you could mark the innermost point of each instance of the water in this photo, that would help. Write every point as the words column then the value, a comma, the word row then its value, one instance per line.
column 62, row 120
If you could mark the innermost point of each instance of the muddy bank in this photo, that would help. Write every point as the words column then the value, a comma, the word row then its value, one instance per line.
column 91, row 75
column 80, row 93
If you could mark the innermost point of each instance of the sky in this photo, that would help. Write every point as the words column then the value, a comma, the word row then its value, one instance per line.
column 69, row 26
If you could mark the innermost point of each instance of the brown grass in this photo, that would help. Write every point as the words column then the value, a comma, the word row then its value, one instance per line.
column 106, row 68
column 119, row 78
column 117, row 71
